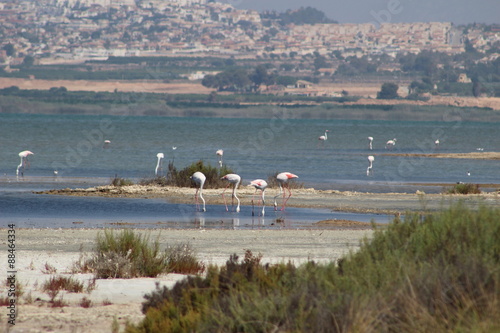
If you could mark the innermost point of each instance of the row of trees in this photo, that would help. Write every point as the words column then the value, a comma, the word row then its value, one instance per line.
column 240, row 80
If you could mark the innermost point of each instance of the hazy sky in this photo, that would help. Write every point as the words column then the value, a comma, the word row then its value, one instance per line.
column 359, row 11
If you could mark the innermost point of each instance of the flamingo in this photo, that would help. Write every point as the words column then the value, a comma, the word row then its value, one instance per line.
column 106, row 143
column 234, row 179
column 24, row 161
column 390, row 144
column 259, row 184
column 370, row 141
column 323, row 138
column 436, row 143
column 282, row 179
column 219, row 153
column 158, row 164
column 369, row 170
column 199, row 179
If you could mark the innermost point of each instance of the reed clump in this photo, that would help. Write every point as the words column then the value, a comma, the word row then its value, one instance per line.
column 437, row 272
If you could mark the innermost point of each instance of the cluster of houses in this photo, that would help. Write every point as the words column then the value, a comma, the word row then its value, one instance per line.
column 77, row 30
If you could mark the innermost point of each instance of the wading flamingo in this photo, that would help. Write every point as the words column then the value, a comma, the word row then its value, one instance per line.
column 390, row 144
column 436, row 143
column 106, row 143
column 259, row 184
column 370, row 141
column 234, row 179
column 369, row 171
column 158, row 164
column 323, row 138
column 199, row 179
column 219, row 153
column 24, row 161
column 282, row 179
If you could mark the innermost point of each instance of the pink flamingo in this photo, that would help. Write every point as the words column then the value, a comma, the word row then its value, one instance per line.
column 282, row 179
column 24, row 161
column 234, row 179
column 323, row 138
column 219, row 153
column 370, row 141
column 390, row 144
column 160, row 157
column 259, row 184
column 199, row 179
column 369, row 170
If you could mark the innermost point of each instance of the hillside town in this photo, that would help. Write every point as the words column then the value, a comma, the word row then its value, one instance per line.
column 59, row 31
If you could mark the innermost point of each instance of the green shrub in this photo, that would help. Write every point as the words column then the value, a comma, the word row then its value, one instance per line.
column 117, row 181
column 466, row 188
column 438, row 272
column 182, row 178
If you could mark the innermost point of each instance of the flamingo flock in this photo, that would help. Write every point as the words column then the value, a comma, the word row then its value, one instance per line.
column 233, row 179
column 199, row 178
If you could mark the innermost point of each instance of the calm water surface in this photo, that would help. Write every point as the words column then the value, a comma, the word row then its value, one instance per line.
column 253, row 148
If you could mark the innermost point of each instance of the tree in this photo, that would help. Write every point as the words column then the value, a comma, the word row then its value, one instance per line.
column 320, row 62
column 388, row 90
column 9, row 50
column 28, row 61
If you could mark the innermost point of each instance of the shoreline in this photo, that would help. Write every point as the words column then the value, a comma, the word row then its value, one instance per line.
column 345, row 201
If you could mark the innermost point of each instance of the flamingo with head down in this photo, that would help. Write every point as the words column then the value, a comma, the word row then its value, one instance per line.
column 234, row 179
column 259, row 184
column 24, row 161
column 283, row 179
column 199, row 179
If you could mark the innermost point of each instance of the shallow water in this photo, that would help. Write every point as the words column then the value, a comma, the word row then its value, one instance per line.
column 253, row 148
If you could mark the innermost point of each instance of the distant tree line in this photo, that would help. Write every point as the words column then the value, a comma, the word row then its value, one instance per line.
column 301, row 16
column 240, row 80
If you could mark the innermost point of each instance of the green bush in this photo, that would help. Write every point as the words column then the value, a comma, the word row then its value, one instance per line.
column 427, row 273
column 466, row 188
column 117, row 181
column 182, row 178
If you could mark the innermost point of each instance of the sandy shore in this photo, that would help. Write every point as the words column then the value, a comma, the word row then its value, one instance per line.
column 60, row 248
column 346, row 201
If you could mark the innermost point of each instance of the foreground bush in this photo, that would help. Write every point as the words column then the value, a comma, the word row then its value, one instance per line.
column 129, row 255
column 434, row 273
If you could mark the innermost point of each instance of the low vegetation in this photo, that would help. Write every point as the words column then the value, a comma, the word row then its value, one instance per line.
column 182, row 178
column 63, row 283
column 117, row 181
column 129, row 255
column 464, row 188
column 427, row 273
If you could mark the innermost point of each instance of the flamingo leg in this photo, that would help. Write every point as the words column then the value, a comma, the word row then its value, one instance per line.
column 196, row 199
column 277, row 195
column 289, row 195
column 263, row 203
column 253, row 196
column 224, row 198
